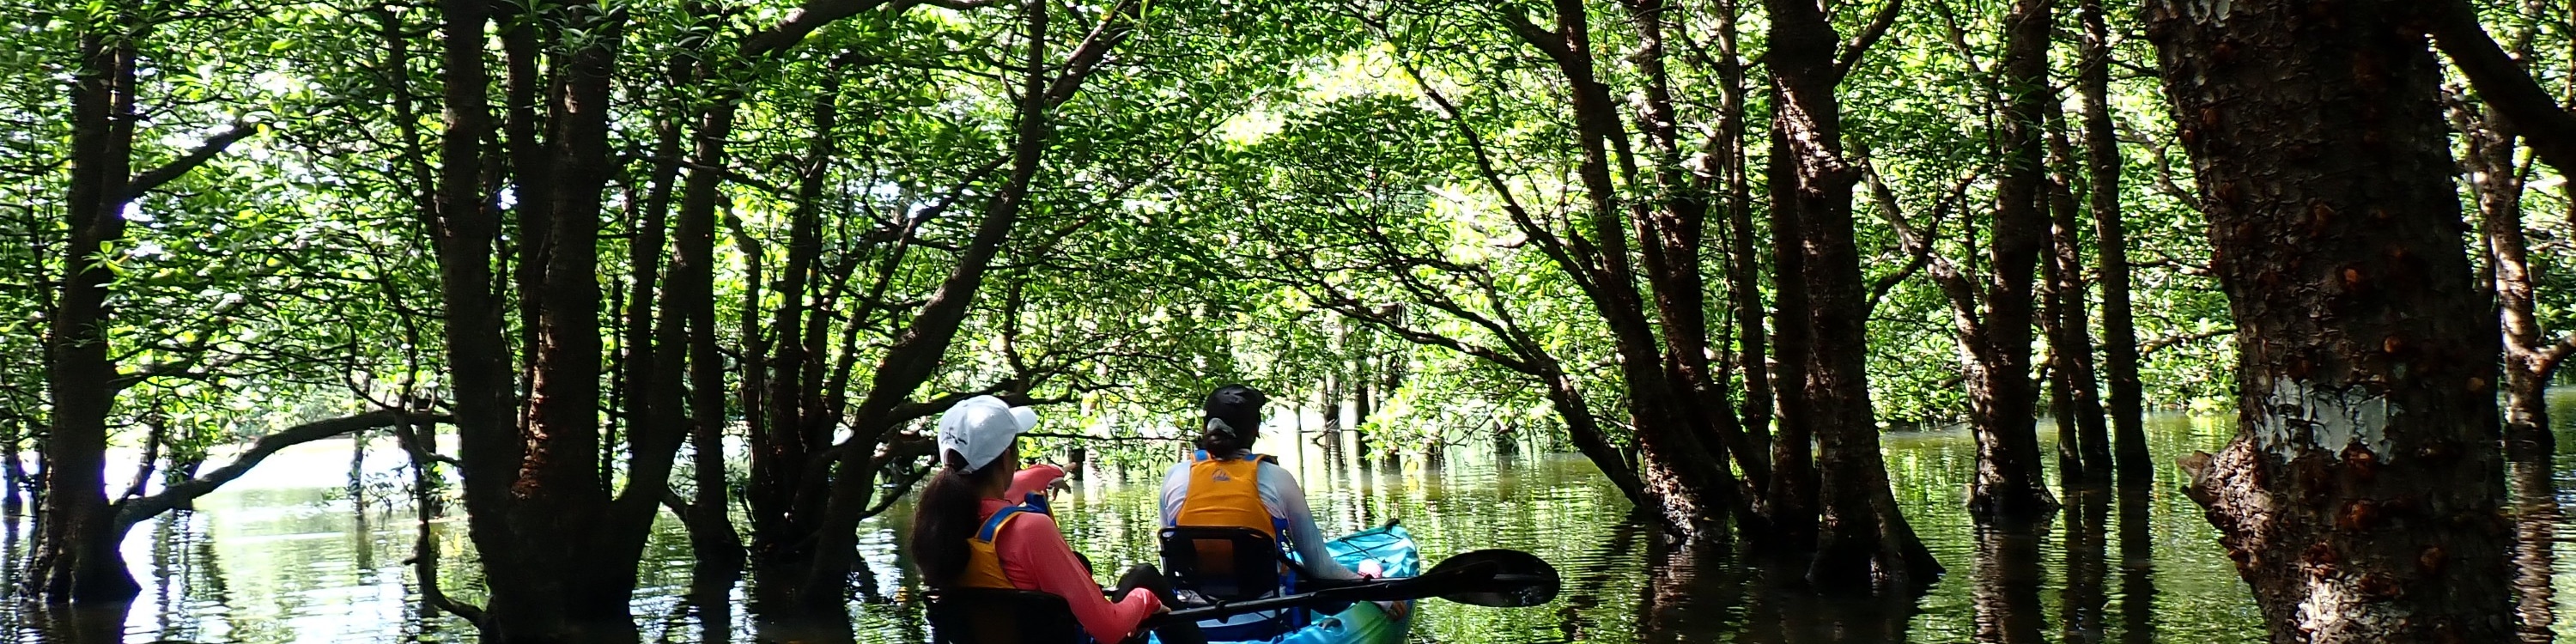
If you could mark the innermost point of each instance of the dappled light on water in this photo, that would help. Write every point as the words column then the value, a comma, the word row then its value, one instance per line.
column 296, row 553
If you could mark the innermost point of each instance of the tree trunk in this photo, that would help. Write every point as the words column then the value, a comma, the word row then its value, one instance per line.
column 812, row 579
column 2061, row 388
column 2361, row 497
column 1793, row 494
column 1744, row 266
column 2069, row 326
column 558, row 549
column 1685, row 428
column 2111, row 240
column 1670, row 234
column 1864, row 540
column 77, row 560
column 2008, row 485
column 2529, row 362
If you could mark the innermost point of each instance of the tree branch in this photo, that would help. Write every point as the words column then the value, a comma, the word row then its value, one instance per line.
column 2505, row 85
column 2557, row 353
column 1955, row 285
column 802, row 22
column 133, row 511
column 1095, row 47
column 215, row 145
column 1575, row 258
column 1011, row 390
column 1548, row 42
column 1353, row 310
column 2151, row 346
column 1866, row 38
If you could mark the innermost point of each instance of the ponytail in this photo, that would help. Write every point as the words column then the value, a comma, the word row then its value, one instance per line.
column 1233, row 417
column 947, row 515
column 1222, row 444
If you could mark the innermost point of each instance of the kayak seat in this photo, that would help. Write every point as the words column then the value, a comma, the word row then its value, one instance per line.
column 1002, row 616
column 1228, row 563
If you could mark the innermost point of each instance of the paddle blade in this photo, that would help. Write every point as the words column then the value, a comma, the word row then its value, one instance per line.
column 1497, row 578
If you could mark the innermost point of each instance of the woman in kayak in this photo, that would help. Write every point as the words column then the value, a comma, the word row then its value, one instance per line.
column 1224, row 484
column 982, row 523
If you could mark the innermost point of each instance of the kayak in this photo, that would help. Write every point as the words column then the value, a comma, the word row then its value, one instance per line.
column 1364, row 622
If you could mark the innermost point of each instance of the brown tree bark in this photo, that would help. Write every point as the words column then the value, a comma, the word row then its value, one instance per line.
column 1794, row 492
column 2083, row 440
column 75, row 560
column 2102, row 165
column 691, row 302
column 2361, row 497
column 1864, row 540
column 558, row 548
column 1744, row 266
column 808, row 573
column 2536, row 517
column 2530, row 361
column 1684, row 445
column 76, row 557
column 2002, row 402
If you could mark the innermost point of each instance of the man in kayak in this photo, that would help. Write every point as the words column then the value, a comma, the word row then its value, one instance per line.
column 1224, row 484
column 982, row 523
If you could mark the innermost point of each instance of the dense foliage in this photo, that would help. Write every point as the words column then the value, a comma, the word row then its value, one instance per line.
column 1363, row 206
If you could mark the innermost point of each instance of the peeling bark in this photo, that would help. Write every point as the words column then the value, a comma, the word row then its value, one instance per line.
column 2362, row 496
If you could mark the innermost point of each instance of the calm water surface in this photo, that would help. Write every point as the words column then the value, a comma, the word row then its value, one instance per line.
column 296, row 553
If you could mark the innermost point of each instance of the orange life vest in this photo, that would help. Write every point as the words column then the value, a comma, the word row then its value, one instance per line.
column 983, row 559
column 1227, row 493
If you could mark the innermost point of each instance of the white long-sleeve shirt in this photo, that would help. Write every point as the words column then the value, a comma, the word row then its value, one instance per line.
column 1286, row 500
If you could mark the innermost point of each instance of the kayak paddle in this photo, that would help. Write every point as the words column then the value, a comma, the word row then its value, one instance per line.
column 1496, row 578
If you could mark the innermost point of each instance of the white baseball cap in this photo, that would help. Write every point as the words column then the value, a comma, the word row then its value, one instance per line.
column 979, row 428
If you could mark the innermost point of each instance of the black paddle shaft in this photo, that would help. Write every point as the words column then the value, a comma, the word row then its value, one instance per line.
column 1498, row 578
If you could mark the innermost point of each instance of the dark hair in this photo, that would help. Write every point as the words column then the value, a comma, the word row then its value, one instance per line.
column 948, row 513
column 1240, row 407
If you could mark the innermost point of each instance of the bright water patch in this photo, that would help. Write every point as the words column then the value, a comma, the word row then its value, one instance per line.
column 299, row 555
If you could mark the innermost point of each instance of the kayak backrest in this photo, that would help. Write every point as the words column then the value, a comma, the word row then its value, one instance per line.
column 999, row 616
column 1225, row 563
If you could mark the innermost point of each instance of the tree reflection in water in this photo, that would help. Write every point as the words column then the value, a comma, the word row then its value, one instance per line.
column 1690, row 589
column 2081, row 602
column 2007, row 580
column 1782, row 610
column 294, row 566
column 2536, row 518
column 86, row 624
column 2137, row 568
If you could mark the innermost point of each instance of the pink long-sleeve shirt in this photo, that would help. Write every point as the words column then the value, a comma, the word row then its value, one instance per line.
column 1036, row 557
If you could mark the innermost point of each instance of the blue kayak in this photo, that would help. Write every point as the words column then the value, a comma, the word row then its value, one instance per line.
column 1364, row 622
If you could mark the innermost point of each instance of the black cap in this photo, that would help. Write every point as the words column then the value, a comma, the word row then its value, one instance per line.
column 1240, row 407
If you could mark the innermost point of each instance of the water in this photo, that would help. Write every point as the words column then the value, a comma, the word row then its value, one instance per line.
column 294, row 553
